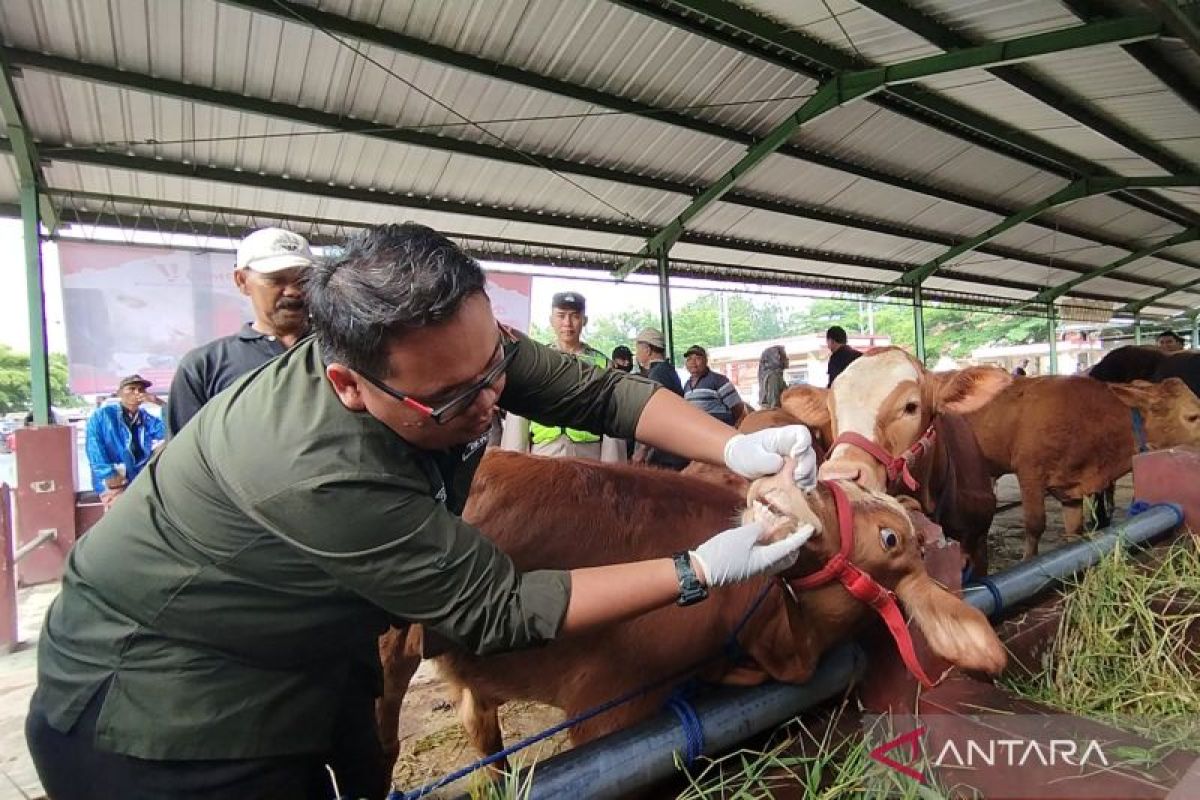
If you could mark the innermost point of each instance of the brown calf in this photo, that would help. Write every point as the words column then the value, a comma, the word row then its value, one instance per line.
column 624, row 514
column 888, row 398
column 1073, row 436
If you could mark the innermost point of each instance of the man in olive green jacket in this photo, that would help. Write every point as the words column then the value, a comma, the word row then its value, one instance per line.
column 216, row 632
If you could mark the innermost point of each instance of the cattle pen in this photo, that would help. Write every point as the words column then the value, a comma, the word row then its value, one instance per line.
column 981, row 185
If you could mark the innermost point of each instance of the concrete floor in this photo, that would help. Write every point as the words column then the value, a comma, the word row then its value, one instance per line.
column 18, row 675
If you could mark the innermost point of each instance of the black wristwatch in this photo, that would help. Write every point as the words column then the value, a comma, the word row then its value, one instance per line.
column 691, row 591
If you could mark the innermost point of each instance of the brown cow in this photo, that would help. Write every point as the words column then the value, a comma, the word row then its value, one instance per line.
column 1072, row 436
column 627, row 514
column 1140, row 362
column 888, row 398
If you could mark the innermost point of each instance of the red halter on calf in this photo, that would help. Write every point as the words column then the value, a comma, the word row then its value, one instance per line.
column 862, row 585
column 896, row 466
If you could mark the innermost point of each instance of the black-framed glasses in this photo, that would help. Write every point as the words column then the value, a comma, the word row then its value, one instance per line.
column 461, row 401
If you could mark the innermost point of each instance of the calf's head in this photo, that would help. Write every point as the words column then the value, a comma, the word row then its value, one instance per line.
column 1170, row 409
column 887, row 548
column 890, row 399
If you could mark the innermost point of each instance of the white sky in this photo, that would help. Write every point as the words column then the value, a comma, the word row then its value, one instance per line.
column 14, row 317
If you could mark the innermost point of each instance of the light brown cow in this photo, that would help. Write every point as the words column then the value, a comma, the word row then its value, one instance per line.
column 625, row 514
column 890, row 400
column 1072, row 436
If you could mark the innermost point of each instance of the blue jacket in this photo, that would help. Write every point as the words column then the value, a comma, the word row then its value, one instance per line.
column 109, row 440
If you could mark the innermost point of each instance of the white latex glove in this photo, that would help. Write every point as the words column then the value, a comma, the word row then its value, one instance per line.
column 735, row 555
column 753, row 455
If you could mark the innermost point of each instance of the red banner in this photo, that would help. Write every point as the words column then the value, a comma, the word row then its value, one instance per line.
column 139, row 309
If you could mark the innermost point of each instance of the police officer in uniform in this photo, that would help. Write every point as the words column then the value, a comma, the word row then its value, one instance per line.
column 568, row 317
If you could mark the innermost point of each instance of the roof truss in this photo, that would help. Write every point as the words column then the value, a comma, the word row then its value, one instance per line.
column 845, row 87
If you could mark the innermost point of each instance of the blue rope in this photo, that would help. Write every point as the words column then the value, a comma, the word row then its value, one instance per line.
column 997, row 600
column 1139, row 430
column 1138, row 507
column 693, row 729
column 694, row 735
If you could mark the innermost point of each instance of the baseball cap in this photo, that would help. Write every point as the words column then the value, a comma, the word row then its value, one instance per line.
column 696, row 350
column 572, row 300
column 272, row 250
column 621, row 351
column 134, row 380
column 652, row 337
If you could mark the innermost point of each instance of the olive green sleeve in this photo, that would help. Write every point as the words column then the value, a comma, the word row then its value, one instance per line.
column 401, row 550
column 557, row 389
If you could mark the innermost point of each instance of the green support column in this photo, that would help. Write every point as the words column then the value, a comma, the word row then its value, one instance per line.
column 1137, row 328
column 1196, row 331
column 664, row 302
column 918, row 324
column 1052, row 329
column 39, row 361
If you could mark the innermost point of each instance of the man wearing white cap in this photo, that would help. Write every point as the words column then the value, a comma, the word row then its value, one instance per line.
column 270, row 265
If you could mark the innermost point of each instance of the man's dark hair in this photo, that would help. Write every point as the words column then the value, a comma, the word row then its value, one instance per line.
column 389, row 279
column 837, row 333
column 1173, row 335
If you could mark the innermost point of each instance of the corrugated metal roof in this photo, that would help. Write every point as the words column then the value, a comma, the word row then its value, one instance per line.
column 847, row 26
column 610, row 48
column 992, row 20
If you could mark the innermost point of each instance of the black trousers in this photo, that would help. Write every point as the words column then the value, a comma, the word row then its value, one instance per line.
column 72, row 768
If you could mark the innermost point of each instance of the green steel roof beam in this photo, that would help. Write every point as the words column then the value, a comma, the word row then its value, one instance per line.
column 1055, row 292
column 336, row 123
column 1179, row 20
column 848, row 86
column 1085, row 187
column 116, row 160
column 725, row 22
column 947, row 38
column 1137, row 305
column 29, row 165
column 102, row 211
column 1183, row 85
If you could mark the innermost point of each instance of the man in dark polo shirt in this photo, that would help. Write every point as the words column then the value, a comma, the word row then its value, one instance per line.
column 709, row 391
column 216, row 632
column 271, row 264
column 841, row 355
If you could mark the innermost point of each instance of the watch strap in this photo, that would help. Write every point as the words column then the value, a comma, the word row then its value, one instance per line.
column 691, row 590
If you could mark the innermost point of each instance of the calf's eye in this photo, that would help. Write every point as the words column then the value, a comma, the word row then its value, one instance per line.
column 889, row 538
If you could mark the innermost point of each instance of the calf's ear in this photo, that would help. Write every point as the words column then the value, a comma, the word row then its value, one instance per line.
column 1138, row 394
column 962, row 391
column 954, row 630
column 808, row 404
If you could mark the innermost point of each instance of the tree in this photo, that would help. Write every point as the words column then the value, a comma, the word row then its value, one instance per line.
column 699, row 322
column 16, row 391
column 605, row 333
column 949, row 331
